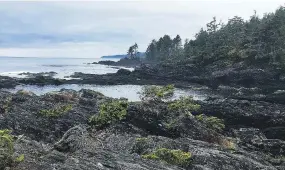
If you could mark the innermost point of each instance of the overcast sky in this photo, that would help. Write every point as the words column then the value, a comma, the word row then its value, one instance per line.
column 93, row 29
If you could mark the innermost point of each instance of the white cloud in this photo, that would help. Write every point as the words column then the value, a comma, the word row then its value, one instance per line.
column 92, row 29
column 76, row 50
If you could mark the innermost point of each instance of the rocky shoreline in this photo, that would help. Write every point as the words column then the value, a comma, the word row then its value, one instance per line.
column 250, row 101
column 235, row 70
column 253, row 137
column 125, row 62
column 267, row 82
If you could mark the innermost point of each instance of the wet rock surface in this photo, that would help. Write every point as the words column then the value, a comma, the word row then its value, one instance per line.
column 269, row 80
column 53, row 132
column 125, row 62
column 43, row 74
column 7, row 82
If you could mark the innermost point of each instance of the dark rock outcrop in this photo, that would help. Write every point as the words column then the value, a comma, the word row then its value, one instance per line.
column 124, row 62
column 43, row 74
column 7, row 82
column 267, row 116
column 64, row 140
column 268, row 79
column 254, row 137
column 245, row 112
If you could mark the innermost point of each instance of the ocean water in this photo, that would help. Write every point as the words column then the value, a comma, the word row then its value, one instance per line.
column 64, row 67
column 131, row 92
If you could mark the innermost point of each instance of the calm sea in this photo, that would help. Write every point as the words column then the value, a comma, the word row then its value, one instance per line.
column 131, row 92
column 13, row 66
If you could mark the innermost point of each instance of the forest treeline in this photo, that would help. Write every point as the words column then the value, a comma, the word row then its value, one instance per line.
column 257, row 39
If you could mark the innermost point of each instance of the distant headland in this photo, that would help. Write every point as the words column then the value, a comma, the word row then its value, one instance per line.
column 120, row 56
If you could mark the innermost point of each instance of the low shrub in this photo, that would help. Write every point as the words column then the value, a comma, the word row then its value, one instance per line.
column 90, row 94
column 109, row 112
column 175, row 157
column 228, row 144
column 141, row 139
column 186, row 104
column 5, row 106
column 212, row 122
column 24, row 92
column 141, row 145
column 20, row 158
column 6, row 140
column 157, row 93
column 7, row 150
column 61, row 96
column 56, row 112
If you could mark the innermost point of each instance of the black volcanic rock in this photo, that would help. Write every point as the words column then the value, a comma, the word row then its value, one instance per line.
column 43, row 74
column 107, row 62
column 69, row 142
column 7, row 82
column 124, row 62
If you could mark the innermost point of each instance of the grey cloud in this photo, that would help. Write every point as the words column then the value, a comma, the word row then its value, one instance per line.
column 113, row 24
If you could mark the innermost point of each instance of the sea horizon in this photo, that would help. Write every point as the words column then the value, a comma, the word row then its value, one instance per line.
column 52, row 57
column 63, row 66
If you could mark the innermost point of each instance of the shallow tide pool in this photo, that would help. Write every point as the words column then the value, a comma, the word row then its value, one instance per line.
column 131, row 92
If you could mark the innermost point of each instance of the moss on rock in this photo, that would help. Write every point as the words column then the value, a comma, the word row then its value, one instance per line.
column 56, row 112
column 212, row 122
column 175, row 157
column 109, row 112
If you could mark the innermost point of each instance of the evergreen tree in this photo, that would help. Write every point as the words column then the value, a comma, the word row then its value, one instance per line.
column 256, row 40
column 133, row 51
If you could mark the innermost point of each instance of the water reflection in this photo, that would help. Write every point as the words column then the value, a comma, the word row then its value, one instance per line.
column 130, row 92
